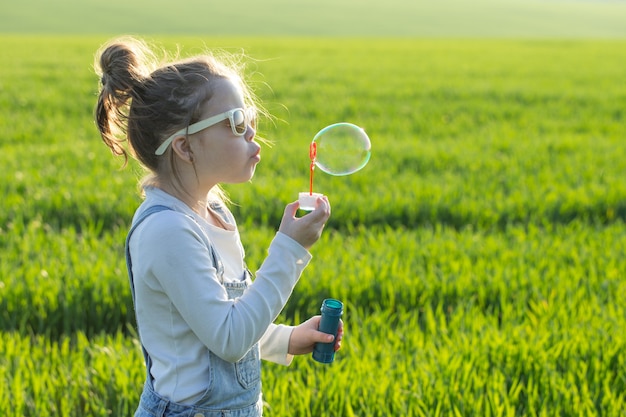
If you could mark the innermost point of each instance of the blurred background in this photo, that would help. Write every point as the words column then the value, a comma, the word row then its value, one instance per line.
column 405, row 18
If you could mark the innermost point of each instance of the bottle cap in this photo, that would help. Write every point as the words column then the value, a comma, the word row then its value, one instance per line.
column 332, row 307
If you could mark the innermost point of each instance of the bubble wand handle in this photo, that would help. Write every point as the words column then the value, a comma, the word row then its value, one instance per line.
column 313, row 156
column 331, row 314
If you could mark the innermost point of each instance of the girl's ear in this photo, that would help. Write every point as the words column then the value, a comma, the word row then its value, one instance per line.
column 180, row 146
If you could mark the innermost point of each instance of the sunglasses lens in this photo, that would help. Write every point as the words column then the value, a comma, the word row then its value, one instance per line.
column 239, row 122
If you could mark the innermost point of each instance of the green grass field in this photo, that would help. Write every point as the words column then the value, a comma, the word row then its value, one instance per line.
column 480, row 253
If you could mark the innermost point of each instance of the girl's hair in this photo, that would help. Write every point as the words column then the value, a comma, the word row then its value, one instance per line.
column 142, row 103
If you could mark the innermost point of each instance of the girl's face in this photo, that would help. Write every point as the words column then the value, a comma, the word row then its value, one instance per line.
column 220, row 156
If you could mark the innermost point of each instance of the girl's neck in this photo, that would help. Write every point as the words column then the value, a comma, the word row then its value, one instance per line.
column 196, row 203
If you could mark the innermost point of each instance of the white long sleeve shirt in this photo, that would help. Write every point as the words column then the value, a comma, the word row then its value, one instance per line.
column 183, row 309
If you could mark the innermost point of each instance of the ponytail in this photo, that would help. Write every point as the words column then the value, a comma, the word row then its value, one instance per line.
column 122, row 67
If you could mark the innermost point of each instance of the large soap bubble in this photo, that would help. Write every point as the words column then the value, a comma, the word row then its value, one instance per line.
column 341, row 149
column 338, row 149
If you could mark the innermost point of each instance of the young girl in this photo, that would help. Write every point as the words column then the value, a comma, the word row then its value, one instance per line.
column 204, row 324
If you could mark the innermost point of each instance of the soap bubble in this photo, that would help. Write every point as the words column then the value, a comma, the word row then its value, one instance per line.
column 342, row 149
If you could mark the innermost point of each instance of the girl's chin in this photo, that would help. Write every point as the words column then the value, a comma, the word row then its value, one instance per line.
column 250, row 175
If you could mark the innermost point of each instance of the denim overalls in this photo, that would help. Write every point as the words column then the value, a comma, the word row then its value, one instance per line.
column 234, row 388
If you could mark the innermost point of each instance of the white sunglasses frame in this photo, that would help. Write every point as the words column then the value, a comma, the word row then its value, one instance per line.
column 205, row 123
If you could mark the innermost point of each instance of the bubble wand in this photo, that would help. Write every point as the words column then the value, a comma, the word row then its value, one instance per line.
column 313, row 156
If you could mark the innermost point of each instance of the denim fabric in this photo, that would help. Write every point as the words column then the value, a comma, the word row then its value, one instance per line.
column 233, row 389
column 153, row 405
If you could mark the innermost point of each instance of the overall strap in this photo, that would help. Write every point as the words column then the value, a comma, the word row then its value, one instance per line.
column 216, row 261
column 129, row 265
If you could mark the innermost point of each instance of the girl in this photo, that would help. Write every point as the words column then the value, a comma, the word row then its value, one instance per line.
column 204, row 325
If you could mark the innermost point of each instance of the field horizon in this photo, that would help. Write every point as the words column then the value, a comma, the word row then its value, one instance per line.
column 530, row 19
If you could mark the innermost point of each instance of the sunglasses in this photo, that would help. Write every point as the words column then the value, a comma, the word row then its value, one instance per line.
column 239, row 120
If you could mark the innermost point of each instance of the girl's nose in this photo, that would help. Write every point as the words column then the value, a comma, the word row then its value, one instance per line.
column 250, row 133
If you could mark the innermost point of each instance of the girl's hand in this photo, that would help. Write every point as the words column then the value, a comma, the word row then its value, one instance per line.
column 305, row 230
column 306, row 335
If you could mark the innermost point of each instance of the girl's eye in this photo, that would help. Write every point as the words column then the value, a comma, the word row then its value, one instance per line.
column 239, row 122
